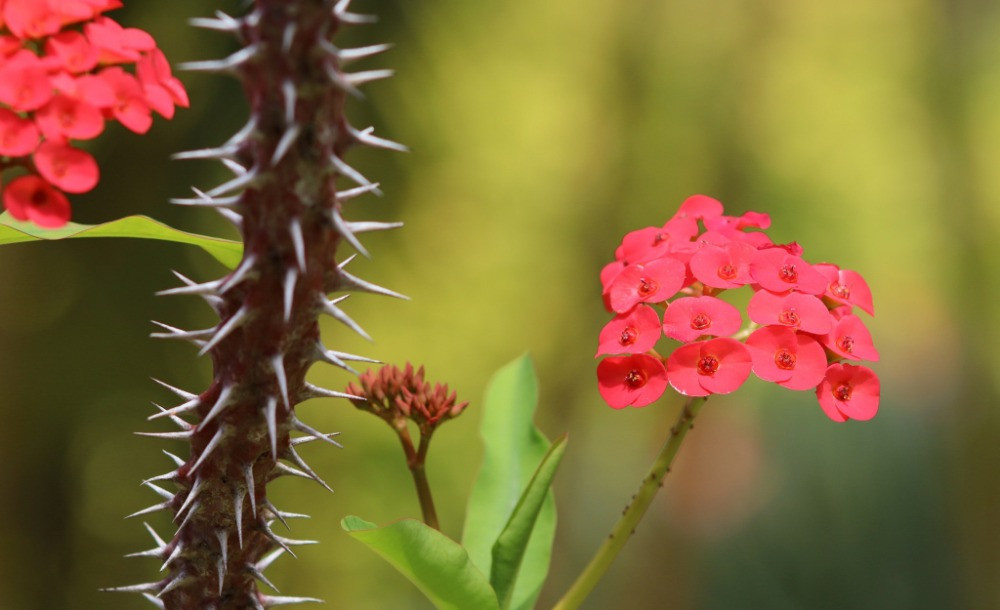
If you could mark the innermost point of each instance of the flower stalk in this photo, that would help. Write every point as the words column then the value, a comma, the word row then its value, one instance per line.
column 634, row 512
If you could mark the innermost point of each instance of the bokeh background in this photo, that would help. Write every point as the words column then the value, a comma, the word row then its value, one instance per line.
column 541, row 133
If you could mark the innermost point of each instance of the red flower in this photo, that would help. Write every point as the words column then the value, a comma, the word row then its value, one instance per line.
column 18, row 136
column 778, row 271
column 635, row 380
column 846, row 287
column 24, row 83
column 688, row 318
column 68, row 118
column 68, row 168
column 700, row 207
column 726, row 266
column 651, row 282
column 34, row 199
column 631, row 333
column 792, row 360
column 717, row 366
column 796, row 310
column 849, row 392
column 850, row 339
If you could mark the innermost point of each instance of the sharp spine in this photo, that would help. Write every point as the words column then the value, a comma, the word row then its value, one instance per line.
column 227, row 64
column 179, row 392
column 141, row 588
column 238, row 512
column 347, row 195
column 166, row 495
column 173, row 584
column 278, row 365
column 313, row 391
column 150, row 509
column 288, row 291
column 248, row 479
column 348, row 55
column 285, row 143
column 357, row 283
column 298, row 243
column 241, row 273
column 190, row 405
column 295, row 457
column 210, row 447
column 235, row 321
column 173, row 457
column 346, row 233
column 346, row 170
column 356, row 79
column 236, row 183
column 367, row 137
column 224, row 400
column 270, row 601
column 189, row 500
column 173, row 555
column 270, row 413
column 153, row 600
column 302, row 440
column 260, row 575
column 331, row 309
column 221, row 23
column 307, row 429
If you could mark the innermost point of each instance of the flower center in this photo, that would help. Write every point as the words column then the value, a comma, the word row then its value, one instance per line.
column 629, row 335
column 842, row 392
column 784, row 359
column 787, row 273
column 789, row 317
column 647, row 287
column 701, row 322
column 635, row 379
column 846, row 343
column 39, row 197
column 840, row 291
column 727, row 272
column 658, row 238
column 708, row 365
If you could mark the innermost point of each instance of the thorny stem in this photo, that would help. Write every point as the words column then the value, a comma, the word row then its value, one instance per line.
column 634, row 512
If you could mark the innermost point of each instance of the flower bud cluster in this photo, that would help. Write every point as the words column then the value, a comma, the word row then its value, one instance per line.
column 397, row 395
column 802, row 332
column 61, row 78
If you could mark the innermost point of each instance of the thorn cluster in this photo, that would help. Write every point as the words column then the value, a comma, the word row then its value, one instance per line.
column 286, row 200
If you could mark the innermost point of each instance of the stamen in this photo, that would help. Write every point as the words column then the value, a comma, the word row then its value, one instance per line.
column 843, row 392
column 647, row 287
column 708, row 365
column 701, row 322
column 628, row 336
column 727, row 272
column 789, row 317
column 787, row 273
column 635, row 379
column 784, row 359
column 846, row 344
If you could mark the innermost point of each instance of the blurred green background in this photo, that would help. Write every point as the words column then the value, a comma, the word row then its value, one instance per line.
column 541, row 133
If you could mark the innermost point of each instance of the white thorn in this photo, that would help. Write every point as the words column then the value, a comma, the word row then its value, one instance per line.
column 238, row 512
column 156, row 537
column 220, row 569
column 222, row 23
column 209, row 448
column 234, row 217
column 277, row 513
column 338, row 314
column 260, row 575
column 270, row 601
column 368, row 226
column 366, row 136
column 270, row 413
column 173, row 555
column 343, row 196
column 235, row 321
column 221, row 152
column 360, row 78
column 156, row 602
column 298, row 243
column 302, row 440
column 173, row 584
column 266, row 562
column 179, row 392
column 237, row 276
column 278, row 365
column 287, row 37
column 337, row 78
column 350, row 172
column 324, row 355
column 345, row 232
column 256, row 602
column 223, row 401
column 234, row 167
column 221, row 65
column 190, row 405
column 348, row 55
column 281, row 469
column 149, row 509
column 173, row 332
column 291, row 276
column 313, row 391
column 244, row 132
column 199, row 289
column 294, row 456
column 167, row 476
column 189, row 500
column 157, row 552
column 166, row 495
column 359, row 284
column 183, row 425
column 194, row 509
column 236, row 183
column 173, row 457
column 248, row 479
column 285, row 143
column 340, row 12
column 168, row 435
column 144, row 587
column 290, row 93
column 307, row 429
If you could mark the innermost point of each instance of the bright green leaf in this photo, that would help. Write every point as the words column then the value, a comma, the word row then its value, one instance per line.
column 437, row 565
column 511, row 544
column 225, row 251
column 513, row 449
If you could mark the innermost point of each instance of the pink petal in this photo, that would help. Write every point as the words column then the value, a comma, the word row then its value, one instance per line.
column 18, row 136
column 31, row 198
column 796, row 310
column 735, row 364
column 682, row 372
column 68, row 168
column 653, row 282
column 725, row 266
column 851, row 339
column 778, row 271
column 632, row 333
column 688, row 318
column 849, row 392
column 635, row 380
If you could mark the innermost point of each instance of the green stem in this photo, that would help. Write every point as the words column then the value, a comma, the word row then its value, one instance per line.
column 609, row 550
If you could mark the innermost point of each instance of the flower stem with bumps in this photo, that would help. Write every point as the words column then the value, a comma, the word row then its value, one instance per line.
column 634, row 512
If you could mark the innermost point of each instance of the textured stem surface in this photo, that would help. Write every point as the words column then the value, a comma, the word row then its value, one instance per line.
column 284, row 199
column 634, row 512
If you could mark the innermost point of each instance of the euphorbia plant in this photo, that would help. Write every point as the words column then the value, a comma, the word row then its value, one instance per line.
column 62, row 75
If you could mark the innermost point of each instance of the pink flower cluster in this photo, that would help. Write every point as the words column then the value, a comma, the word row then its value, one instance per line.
column 802, row 328
column 61, row 78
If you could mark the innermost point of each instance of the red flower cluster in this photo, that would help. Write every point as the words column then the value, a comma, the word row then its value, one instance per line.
column 802, row 322
column 61, row 77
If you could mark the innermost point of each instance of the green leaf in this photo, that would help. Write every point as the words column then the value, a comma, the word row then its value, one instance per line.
column 225, row 251
column 509, row 549
column 437, row 565
column 513, row 449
